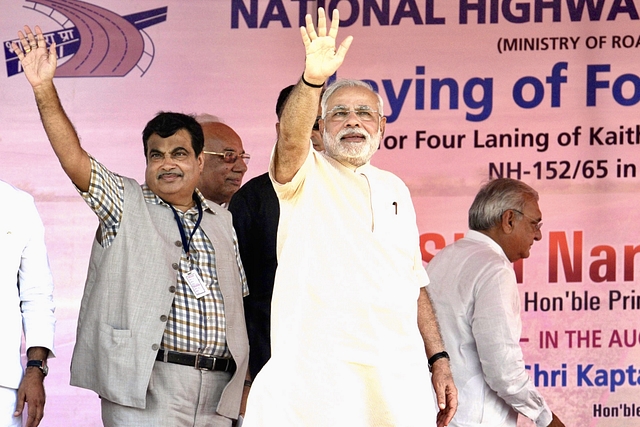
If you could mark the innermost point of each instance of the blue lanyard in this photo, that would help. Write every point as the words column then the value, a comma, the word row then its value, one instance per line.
column 186, row 243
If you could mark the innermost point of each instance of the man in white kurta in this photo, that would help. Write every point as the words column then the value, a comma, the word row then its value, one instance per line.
column 26, row 305
column 351, row 324
column 475, row 293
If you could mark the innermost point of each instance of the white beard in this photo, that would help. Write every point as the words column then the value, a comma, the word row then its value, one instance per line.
column 357, row 154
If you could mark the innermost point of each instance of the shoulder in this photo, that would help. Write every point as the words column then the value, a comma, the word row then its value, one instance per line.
column 255, row 186
column 255, row 195
column 217, row 211
column 388, row 178
column 15, row 197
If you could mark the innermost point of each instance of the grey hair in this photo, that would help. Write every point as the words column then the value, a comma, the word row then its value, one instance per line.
column 496, row 197
column 339, row 84
column 208, row 118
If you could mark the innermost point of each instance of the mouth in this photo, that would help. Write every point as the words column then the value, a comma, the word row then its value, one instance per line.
column 169, row 176
column 353, row 137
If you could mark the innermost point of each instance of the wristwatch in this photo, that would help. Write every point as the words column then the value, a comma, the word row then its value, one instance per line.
column 40, row 365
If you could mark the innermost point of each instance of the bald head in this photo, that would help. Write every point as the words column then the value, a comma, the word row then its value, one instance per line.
column 220, row 180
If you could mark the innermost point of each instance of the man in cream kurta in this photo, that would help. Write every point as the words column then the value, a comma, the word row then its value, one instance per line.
column 352, row 325
column 344, row 330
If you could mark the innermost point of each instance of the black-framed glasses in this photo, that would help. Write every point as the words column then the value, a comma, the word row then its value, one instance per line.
column 537, row 223
column 230, row 156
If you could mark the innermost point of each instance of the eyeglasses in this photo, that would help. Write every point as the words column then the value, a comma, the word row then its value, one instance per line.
column 316, row 125
column 231, row 156
column 364, row 113
column 537, row 223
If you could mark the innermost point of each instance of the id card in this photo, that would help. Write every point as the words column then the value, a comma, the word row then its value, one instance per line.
column 195, row 283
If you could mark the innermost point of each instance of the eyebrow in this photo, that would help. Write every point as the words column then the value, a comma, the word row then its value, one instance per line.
column 355, row 107
column 155, row 150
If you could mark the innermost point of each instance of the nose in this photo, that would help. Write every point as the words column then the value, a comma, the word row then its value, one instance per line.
column 168, row 161
column 240, row 165
column 352, row 119
column 538, row 236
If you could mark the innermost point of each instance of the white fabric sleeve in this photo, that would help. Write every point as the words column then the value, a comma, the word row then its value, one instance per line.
column 36, row 286
column 497, row 328
column 289, row 189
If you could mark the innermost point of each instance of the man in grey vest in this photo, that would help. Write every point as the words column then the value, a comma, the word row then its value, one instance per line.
column 161, row 331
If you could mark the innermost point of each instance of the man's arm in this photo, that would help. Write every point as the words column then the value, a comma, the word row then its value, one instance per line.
column 35, row 284
column 39, row 65
column 441, row 377
column 299, row 114
column 496, row 326
column 31, row 390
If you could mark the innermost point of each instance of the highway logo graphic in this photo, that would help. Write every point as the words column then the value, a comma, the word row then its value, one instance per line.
column 96, row 41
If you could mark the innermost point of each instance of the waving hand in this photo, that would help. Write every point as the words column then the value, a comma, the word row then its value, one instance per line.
column 322, row 59
column 38, row 62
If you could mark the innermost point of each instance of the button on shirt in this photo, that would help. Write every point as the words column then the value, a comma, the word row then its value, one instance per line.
column 194, row 325
column 474, row 291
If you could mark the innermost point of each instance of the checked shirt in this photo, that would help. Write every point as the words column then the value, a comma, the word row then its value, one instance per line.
column 194, row 325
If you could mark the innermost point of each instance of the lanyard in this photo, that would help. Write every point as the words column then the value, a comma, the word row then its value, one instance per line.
column 183, row 236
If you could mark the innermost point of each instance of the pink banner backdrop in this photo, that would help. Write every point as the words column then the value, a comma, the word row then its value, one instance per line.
column 546, row 92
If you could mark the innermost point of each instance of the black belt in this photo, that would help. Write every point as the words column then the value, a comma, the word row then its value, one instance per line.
column 198, row 361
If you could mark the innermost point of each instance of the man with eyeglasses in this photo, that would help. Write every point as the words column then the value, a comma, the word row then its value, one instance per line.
column 161, row 332
column 473, row 287
column 225, row 161
column 352, row 327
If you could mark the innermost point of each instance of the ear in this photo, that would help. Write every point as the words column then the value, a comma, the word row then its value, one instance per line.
column 277, row 128
column 507, row 222
column 200, row 159
column 383, row 122
column 321, row 126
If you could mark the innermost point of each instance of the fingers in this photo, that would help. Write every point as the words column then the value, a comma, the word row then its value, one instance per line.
column 446, row 414
column 305, row 37
column 322, row 22
column 335, row 23
column 24, row 43
column 53, row 53
column 310, row 30
column 28, row 41
column 40, row 42
column 33, row 44
column 19, row 403
column 35, row 413
column 344, row 47
column 16, row 49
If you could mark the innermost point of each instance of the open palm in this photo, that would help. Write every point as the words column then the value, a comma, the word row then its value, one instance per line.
column 322, row 59
column 38, row 63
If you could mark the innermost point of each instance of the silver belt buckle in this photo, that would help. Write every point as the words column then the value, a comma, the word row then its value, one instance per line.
column 197, row 364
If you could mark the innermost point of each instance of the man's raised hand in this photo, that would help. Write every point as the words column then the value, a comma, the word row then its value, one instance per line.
column 38, row 62
column 322, row 59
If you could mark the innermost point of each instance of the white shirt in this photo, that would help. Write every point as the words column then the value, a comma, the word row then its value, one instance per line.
column 26, row 286
column 346, row 349
column 474, row 291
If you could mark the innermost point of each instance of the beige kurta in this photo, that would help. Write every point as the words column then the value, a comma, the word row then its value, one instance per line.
column 346, row 349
